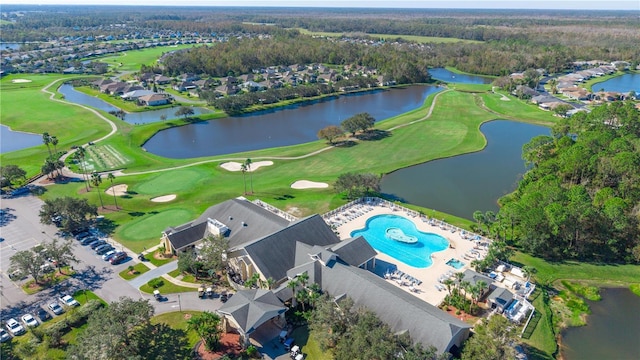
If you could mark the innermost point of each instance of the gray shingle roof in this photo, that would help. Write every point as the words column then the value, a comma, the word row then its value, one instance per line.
column 500, row 296
column 402, row 311
column 252, row 308
column 258, row 222
column 354, row 251
column 473, row 277
column 275, row 254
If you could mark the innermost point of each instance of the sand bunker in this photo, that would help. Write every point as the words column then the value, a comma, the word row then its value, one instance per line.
column 236, row 166
column 20, row 81
column 504, row 98
column 306, row 184
column 164, row 198
column 119, row 190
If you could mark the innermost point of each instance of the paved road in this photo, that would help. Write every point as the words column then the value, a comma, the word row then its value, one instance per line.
column 20, row 227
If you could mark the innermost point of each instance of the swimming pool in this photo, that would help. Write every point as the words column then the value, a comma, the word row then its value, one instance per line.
column 416, row 254
column 455, row 263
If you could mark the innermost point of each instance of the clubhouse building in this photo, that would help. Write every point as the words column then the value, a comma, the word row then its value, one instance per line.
column 264, row 242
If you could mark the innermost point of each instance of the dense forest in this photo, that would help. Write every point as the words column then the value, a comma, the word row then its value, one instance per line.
column 236, row 57
column 581, row 198
column 506, row 41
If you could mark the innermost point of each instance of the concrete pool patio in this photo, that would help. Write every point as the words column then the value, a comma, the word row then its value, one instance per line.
column 355, row 217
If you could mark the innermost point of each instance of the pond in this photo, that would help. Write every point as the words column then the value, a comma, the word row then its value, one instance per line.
column 621, row 84
column 449, row 76
column 15, row 140
column 290, row 125
column 9, row 46
column 612, row 330
column 463, row 184
column 144, row 117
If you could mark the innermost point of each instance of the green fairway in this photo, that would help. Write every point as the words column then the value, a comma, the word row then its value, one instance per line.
column 25, row 108
column 137, row 234
column 133, row 59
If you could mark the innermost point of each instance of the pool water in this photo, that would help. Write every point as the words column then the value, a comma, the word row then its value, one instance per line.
column 455, row 263
column 417, row 254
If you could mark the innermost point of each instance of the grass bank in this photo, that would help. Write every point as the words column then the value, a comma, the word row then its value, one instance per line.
column 413, row 38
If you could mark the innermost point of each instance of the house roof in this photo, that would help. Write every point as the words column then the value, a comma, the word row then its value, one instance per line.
column 500, row 296
column 252, row 308
column 258, row 222
column 353, row 251
column 402, row 311
column 274, row 254
column 473, row 277
column 152, row 97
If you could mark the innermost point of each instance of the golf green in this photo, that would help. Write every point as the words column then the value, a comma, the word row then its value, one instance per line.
column 138, row 232
column 174, row 181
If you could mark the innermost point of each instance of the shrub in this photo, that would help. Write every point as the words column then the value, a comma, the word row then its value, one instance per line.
column 156, row 283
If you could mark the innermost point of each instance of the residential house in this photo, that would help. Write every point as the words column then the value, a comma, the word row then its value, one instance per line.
column 185, row 86
column 188, row 77
column 252, row 86
column 161, row 79
column 228, row 89
column 135, row 94
column 153, row 100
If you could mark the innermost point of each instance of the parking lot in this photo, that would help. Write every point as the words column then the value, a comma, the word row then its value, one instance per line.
column 21, row 229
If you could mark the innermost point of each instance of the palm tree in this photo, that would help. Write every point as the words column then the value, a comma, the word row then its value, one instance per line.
column 111, row 177
column 243, row 168
column 293, row 285
column 80, row 155
column 46, row 139
column 448, row 283
column 248, row 165
column 458, row 277
column 481, row 285
column 207, row 326
column 54, row 142
column 96, row 180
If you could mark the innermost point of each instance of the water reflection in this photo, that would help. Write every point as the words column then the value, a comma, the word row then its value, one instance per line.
column 14, row 140
column 75, row 96
column 448, row 76
column 463, row 184
column 622, row 84
column 290, row 125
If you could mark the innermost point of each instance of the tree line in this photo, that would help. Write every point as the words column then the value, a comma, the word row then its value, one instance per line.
column 580, row 198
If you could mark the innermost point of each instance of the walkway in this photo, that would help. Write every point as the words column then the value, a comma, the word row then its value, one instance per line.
column 153, row 273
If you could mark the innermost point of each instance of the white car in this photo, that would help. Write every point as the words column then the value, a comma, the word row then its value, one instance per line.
column 69, row 301
column 4, row 335
column 108, row 254
column 29, row 320
column 56, row 308
column 14, row 327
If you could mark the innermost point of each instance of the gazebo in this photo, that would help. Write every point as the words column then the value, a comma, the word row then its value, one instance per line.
column 247, row 310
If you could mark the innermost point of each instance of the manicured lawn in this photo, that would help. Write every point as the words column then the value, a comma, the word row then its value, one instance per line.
column 595, row 274
column 168, row 183
column 133, row 59
column 157, row 261
column 25, row 108
column 83, row 296
column 515, row 109
column 309, row 346
column 185, row 277
column 167, row 288
column 145, row 231
column 178, row 320
column 139, row 269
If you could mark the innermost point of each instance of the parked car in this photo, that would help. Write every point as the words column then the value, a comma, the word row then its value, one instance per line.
column 56, row 308
column 98, row 243
column 224, row 297
column 118, row 257
column 14, row 327
column 103, row 249
column 29, row 320
column 69, row 300
column 82, row 235
column 88, row 240
column 43, row 315
column 107, row 256
column 4, row 335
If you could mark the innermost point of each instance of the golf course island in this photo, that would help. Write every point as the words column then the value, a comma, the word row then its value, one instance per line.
column 563, row 230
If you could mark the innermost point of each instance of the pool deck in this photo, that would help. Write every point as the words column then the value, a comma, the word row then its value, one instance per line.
column 426, row 291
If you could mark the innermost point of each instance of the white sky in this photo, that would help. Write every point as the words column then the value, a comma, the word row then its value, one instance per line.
column 478, row 4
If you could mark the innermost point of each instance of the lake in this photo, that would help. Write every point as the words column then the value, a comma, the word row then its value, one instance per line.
column 289, row 125
column 612, row 330
column 449, row 76
column 143, row 117
column 463, row 184
column 15, row 140
column 621, row 84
